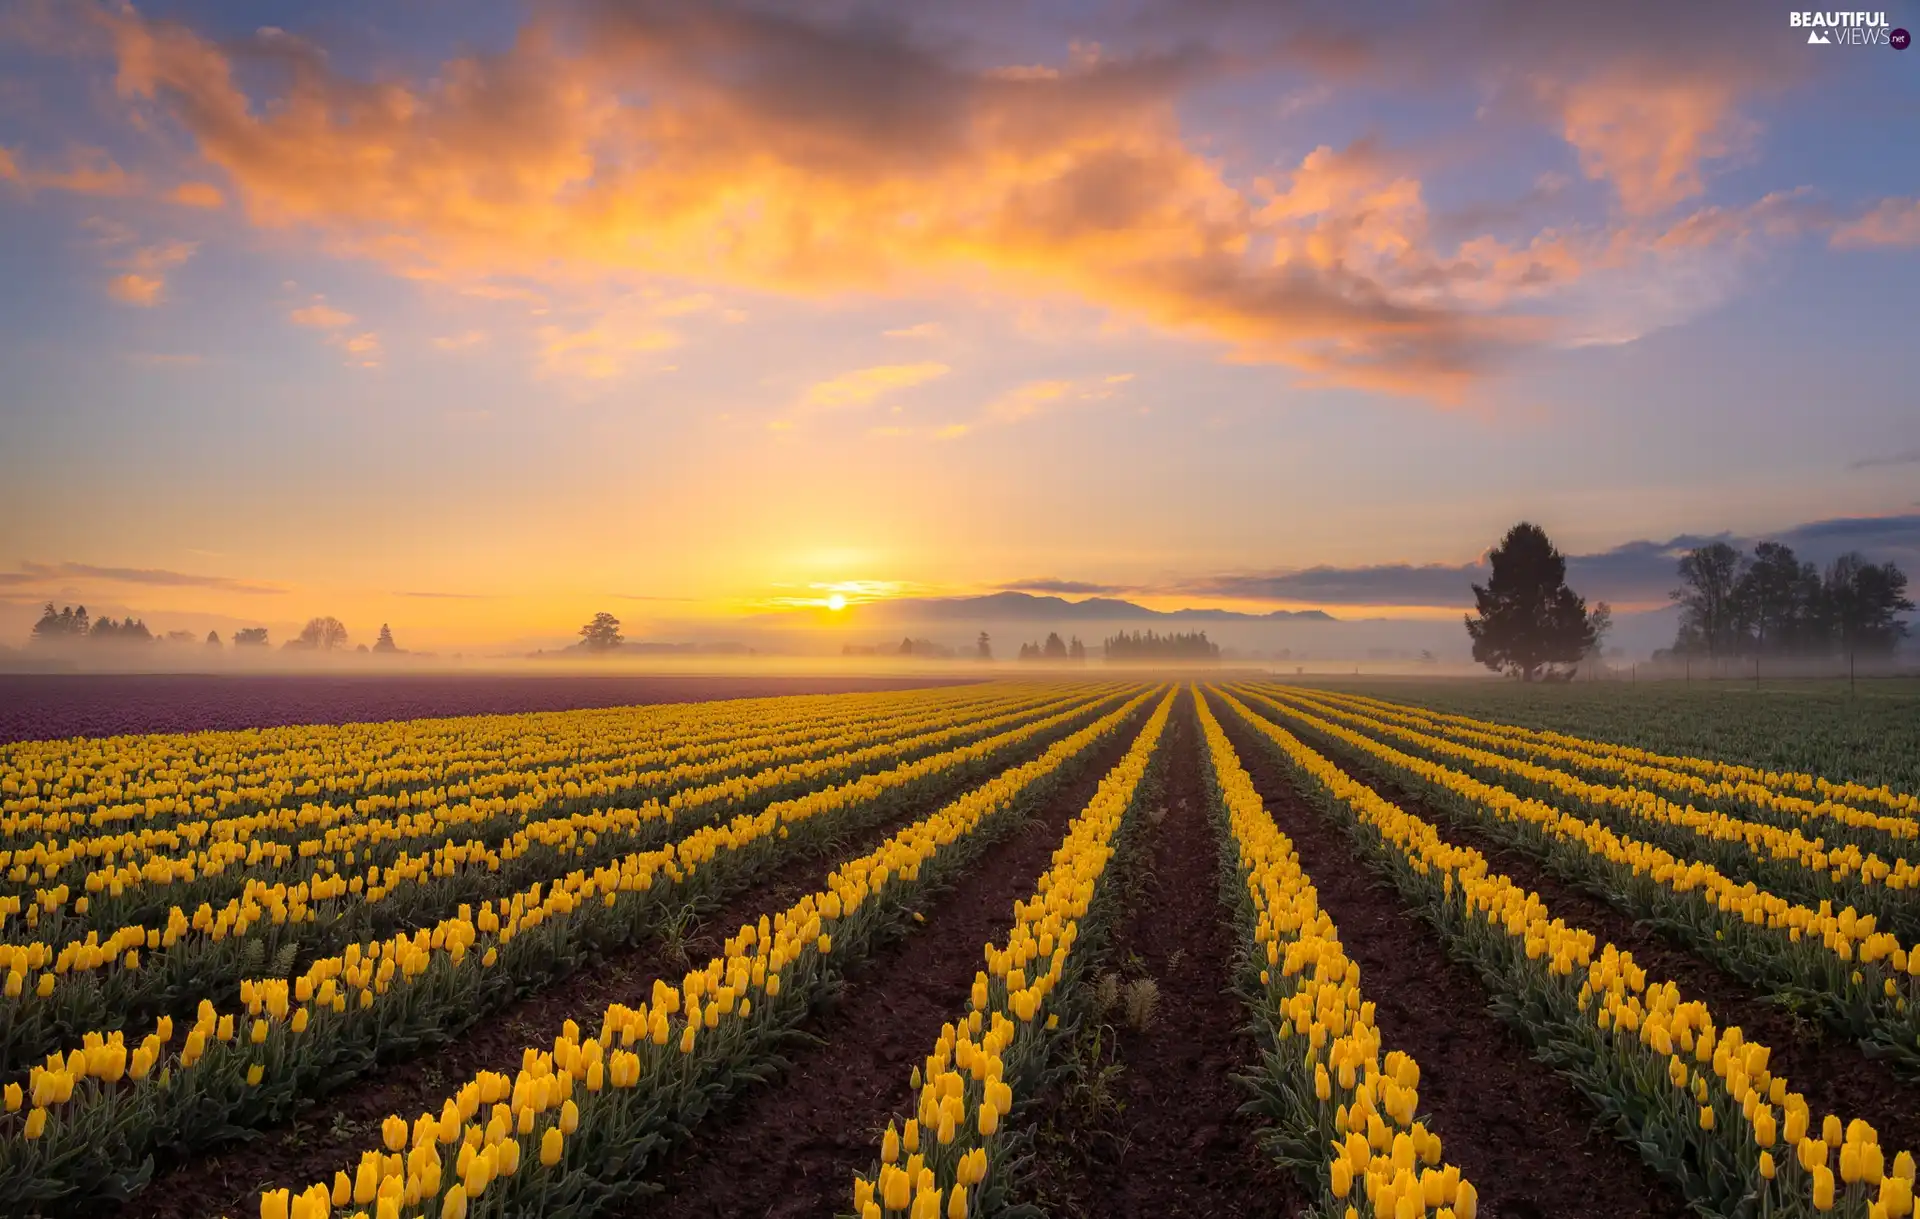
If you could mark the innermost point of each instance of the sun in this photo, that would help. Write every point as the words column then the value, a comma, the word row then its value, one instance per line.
column 837, row 601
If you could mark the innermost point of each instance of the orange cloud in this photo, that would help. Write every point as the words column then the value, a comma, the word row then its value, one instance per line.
column 600, row 351
column 135, row 289
column 144, row 281
column 320, row 315
column 198, row 194
column 89, row 171
column 1649, row 137
column 361, row 350
column 759, row 158
column 1893, row 222
column 1028, row 400
column 864, row 386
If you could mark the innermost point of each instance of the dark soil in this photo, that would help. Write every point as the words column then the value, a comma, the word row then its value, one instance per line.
column 1520, row 1132
column 53, row 706
column 1174, row 1143
column 792, row 1149
column 1832, row 1073
column 328, row 1136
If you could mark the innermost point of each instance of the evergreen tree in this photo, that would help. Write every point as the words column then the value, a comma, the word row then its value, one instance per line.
column 983, row 646
column 385, row 642
column 1528, row 619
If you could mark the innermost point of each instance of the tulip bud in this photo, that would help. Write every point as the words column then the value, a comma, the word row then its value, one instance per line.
column 551, row 1144
column 393, row 1132
column 274, row 1204
column 36, row 1124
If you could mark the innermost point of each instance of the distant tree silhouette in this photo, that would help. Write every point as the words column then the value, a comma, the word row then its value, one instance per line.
column 1055, row 648
column 68, row 623
column 1076, row 650
column 1771, row 603
column 322, row 634
column 250, row 637
column 1029, row 651
column 906, row 646
column 181, row 637
column 982, row 646
column 213, row 640
column 1777, row 604
column 131, row 630
column 602, row 634
column 1708, row 599
column 1529, row 619
column 1865, row 601
column 385, row 642
column 1151, row 645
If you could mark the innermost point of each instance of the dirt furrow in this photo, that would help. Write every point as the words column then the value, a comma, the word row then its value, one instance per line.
column 1522, row 1133
column 1164, row 1136
column 324, row 1137
column 1830, row 1071
column 792, row 1149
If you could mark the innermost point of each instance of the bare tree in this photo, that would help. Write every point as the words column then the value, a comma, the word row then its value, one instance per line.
column 323, row 634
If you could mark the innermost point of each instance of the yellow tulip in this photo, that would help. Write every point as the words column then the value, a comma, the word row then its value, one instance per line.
column 551, row 1144
column 1823, row 1188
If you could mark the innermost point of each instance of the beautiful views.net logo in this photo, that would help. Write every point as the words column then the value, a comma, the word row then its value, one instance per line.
column 1850, row 29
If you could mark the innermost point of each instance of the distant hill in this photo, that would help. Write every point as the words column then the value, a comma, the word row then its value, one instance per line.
column 1027, row 607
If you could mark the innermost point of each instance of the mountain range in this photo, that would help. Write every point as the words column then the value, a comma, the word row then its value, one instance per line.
column 1029, row 607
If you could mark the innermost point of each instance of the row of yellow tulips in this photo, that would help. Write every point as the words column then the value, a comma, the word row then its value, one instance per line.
column 1861, row 980
column 176, row 958
column 49, row 787
column 292, row 1040
column 1892, row 833
column 118, row 880
column 1783, row 860
column 1697, row 1100
column 1344, row 1107
column 942, row 1161
column 658, row 1068
column 1856, row 795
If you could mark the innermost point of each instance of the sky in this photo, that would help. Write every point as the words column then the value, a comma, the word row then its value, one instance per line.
column 478, row 318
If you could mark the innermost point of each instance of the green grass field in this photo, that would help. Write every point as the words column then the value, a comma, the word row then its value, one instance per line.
column 1870, row 734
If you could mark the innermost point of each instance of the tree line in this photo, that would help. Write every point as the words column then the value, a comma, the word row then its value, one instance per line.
column 1530, row 624
column 71, row 623
column 1151, row 645
column 1055, row 648
column 1770, row 603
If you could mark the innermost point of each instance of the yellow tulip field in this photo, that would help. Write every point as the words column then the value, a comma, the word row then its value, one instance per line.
column 1012, row 948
